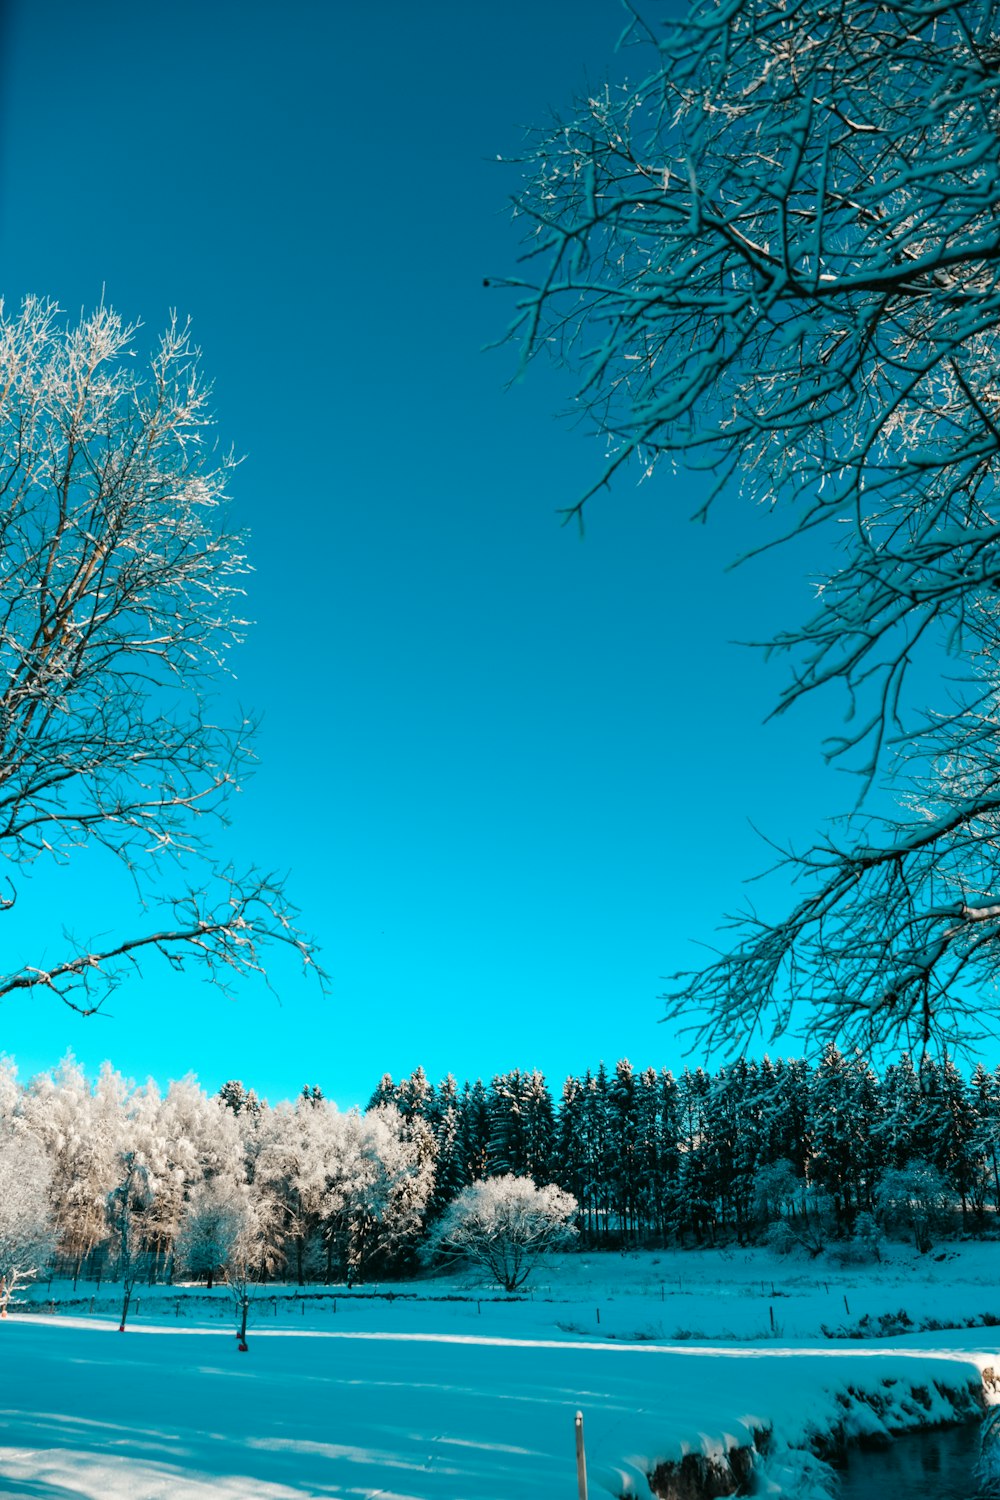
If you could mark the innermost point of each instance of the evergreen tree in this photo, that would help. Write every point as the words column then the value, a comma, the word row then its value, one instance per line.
column 451, row 1173
column 415, row 1096
column 952, row 1133
column 623, row 1148
column 539, row 1127
column 984, row 1108
column 570, row 1166
column 386, row 1092
column 832, row 1128
column 474, row 1131
column 902, row 1108
column 695, row 1202
column 597, row 1148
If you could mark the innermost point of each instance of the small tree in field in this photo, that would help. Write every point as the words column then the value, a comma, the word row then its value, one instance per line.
column 229, row 1227
column 505, row 1224
column 120, row 607
column 208, row 1227
column 26, row 1235
column 250, row 1251
column 127, row 1206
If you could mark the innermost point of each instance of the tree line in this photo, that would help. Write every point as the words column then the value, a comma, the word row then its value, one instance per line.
column 654, row 1158
column 107, row 1179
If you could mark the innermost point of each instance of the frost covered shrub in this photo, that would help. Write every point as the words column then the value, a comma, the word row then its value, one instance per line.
column 504, row 1224
column 782, row 1239
column 787, row 1238
column 864, row 1245
column 210, row 1227
column 915, row 1198
column 777, row 1187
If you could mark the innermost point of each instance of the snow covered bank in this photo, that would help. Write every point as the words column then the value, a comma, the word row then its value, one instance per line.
column 785, row 1413
column 444, row 1389
column 434, row 1415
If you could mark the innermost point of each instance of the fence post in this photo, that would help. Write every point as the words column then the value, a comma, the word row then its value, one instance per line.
column 581, row 1458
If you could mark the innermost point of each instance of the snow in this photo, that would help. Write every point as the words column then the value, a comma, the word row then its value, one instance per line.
column 424, row 1397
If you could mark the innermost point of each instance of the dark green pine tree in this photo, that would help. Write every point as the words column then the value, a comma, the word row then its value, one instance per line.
column 624, row 1186
column 415, row 1096
column 451, row 1173
column 952, row 1133
column 539, row 1127
column 596, row 1147
column 233, row 1095
column 474, row 1131
column 901, row 1112
column 832, row 1128
column 668, row 1150
column 508, row 1137
column 731, row 1110
column 695, row 1208
column 747, row 1152
column 782, row 1110
column 570, row 1151
column 386, row 1092
column 984, row 1104
column 866, row 1119
column 648, row 1191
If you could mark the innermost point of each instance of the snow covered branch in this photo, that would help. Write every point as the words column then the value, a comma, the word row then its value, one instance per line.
column 777, row 259
column 119, row 610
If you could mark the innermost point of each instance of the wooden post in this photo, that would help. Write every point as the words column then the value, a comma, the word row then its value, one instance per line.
column 581, row 1459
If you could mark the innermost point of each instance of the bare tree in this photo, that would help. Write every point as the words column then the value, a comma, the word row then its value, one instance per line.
column 119, row 606
column 778, row 259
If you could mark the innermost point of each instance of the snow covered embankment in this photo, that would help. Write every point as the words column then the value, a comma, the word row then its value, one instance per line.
column 782, row 1416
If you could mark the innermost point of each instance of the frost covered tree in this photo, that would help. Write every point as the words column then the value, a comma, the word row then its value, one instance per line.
column 250, row 1254
column 298, row 1146
column 128, row 1203
column 504, row 1224
column 81, row 1129
column 27, row 1240
column 379, row 1185
column 230, row 1227
column 914, row 1197
column 775, row 259
column 121, row 605
column 208, row 1226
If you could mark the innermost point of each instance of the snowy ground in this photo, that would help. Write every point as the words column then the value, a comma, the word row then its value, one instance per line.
column 436, row 1399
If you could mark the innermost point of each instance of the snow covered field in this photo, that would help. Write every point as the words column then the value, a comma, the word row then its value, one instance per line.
column 419, row 1396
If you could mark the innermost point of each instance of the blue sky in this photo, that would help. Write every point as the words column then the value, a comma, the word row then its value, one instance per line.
column 511, row 774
